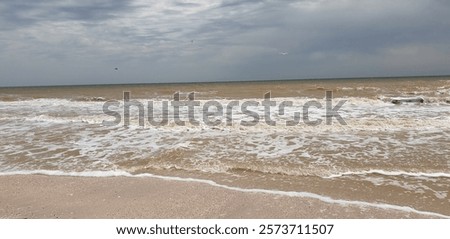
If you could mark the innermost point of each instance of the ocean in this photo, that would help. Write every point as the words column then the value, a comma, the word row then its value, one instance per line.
column 382, row 142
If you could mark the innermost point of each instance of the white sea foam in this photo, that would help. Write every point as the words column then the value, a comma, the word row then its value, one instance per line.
column 396, row 173
column 322, row 198
column 360, row 113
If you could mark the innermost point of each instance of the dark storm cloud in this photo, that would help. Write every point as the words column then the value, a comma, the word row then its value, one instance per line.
column 12, row 14
column 353, row 32
column 94, row 12
column 186, row 4
column 237, row 3
column 24, row 13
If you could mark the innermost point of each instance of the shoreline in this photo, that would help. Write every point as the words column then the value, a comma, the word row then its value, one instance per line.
column 41, row 196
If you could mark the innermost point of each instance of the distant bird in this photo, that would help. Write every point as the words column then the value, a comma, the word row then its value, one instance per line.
column 116, row 69
column 284, row 53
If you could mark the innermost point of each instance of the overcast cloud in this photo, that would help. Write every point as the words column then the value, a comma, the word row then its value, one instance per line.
column 83, row 41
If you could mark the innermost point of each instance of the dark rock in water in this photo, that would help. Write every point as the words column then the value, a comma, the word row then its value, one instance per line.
column 398, row 101
column 98, row 99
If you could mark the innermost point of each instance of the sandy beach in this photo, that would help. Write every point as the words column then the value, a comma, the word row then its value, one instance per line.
column 38, row 196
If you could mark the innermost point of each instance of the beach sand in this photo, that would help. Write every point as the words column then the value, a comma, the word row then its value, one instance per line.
column 38, row 196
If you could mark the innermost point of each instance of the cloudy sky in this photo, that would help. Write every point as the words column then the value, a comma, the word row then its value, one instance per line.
column 82, row 41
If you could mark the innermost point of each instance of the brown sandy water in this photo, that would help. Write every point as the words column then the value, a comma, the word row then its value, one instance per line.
column 385, row 154
column 370, row 88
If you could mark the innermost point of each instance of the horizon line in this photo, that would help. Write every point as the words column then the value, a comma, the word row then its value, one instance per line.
column 236, row 81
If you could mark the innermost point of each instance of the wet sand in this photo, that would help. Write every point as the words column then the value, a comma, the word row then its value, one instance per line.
column 38, row 196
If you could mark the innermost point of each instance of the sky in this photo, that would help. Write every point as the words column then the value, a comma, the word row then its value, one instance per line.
column 70, row 42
